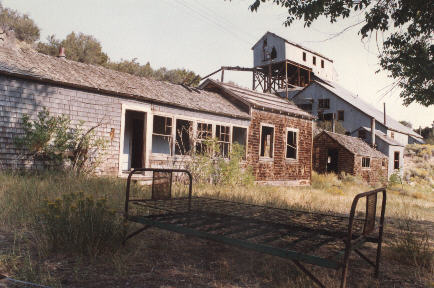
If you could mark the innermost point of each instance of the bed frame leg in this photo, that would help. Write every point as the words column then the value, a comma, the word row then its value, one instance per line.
column 135, row 233
column 309, row 274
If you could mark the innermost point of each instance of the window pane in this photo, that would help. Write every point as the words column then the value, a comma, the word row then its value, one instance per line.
column 223, row 136
column 183, row 139
column 162, row 125
column 291, row 145
column 267, row 136
column 161, row 144
column 239, row 135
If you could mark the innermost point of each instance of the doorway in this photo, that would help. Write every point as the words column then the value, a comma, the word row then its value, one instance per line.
column 134, row 149
column 332, row 160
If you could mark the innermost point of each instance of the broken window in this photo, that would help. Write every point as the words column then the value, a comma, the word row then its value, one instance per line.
column 239, row 135
column 273, row 53
column 366, row 162
column 267, row 139
column 204, row 133
column 324, row 103
column 362, row 134
column 322, row 63
column 304, row 56
column 341, row 115
column 162, row 135
column 314, row 60
column 223, row 139
column 183, row 139
column 396, row 160
column 291, row 144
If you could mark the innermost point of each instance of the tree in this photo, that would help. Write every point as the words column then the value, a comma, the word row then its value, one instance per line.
column 24, row 27
column 407, row 51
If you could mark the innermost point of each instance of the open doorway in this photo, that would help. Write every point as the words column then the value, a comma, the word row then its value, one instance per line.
column 332, row 160
column 134, row 150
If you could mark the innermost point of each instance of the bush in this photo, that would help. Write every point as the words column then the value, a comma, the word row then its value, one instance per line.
column 77, row 222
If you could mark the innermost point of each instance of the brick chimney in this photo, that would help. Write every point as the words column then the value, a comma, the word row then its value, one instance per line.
column 61, row 52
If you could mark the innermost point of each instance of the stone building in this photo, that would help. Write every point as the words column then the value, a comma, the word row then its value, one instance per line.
column 337, row 153
column 145, row 120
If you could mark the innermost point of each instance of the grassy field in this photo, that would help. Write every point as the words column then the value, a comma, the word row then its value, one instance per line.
column 79, row 244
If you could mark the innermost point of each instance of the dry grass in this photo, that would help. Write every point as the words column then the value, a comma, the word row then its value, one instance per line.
column 163, row 259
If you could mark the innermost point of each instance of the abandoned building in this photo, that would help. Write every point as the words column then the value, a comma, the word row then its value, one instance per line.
column 152, row 123
column 337, row 153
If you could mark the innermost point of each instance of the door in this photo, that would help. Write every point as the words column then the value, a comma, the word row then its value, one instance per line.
column 332, row 161
column 137, row 153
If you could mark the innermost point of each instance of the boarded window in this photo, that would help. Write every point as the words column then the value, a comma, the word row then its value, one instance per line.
column 204, row 133
column 304, row 56
column 396, row 160
column 222, row 134
column 314, row 60
column 183, row 139
column 324, row 103
column 267, row 139
column 322, row 63
column 239, row 135
column 341, row 115
column 366, row 162
column 291, row 145
column 162, row 135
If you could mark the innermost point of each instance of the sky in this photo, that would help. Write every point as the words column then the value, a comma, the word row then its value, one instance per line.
column 203, row 35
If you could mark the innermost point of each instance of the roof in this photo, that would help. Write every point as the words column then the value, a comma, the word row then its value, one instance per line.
column 364, row 107
column 293, row 44
column 258, row 100
column 29, row 64
column 383, row 137
column 354, row 144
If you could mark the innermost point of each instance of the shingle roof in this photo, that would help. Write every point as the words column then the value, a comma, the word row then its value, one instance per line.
column 383, row 137
column 354, row 144
column 366, row 108
column 267, row 101
column 28, row 63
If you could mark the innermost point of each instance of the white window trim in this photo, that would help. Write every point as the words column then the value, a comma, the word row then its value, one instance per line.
column 146, row 108
column 297, row 131
column 260, row 141
column 173, row 135
column 366, row 168
column 247, row 139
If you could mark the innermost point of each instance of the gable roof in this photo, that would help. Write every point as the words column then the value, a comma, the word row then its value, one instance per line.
column 293, row 44
column 29, row 64
column 353, row 144
column 258, row 100
column 363, row 106
column 382, row 136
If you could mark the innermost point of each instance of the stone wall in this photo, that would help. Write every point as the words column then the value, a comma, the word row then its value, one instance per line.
column 279, row 169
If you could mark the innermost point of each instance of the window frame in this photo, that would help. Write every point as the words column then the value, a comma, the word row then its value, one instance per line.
column 322, row 63
column 247, row 138
column 314, row 60
column 323, row 100
column 171, row 135
column 297, row 141
column 304, row 56
column 343, row 115
column 229, row 141
column 260, row 141
column 190, row 138
column 369, row 163
column 395, row 160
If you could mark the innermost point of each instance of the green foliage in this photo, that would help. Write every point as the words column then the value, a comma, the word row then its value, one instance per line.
column 55, row 142
column 78, row 222
column 230, row 172
column 394, row 178
column 407, row 51
column 24, row 27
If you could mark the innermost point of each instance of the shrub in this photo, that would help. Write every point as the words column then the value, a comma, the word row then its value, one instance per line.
column 394, row 178
column 324, row 181
column 77, row 222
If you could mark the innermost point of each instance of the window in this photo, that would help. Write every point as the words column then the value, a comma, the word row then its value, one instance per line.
column 366, row 162
column 396, row 160
column 267, row 139
column 341, row 115
column 306, row 107
column 304, row 56
column 392, row 135
column 326, row 116
column 162, row 135
column 322, row 63
column 314, row 60
column 273, row 53
column 239, row 135
column 183, row 139
column 362, row 134
column 291, row 144
column 223, row 133
column 324, row 103
column 204, row 132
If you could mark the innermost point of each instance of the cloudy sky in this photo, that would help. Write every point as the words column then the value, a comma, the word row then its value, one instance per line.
column 202, row 35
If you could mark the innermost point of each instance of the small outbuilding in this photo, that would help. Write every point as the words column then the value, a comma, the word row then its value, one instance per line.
column 337, row 153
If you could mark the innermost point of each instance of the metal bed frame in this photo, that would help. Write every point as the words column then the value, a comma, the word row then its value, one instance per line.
column 302, row 237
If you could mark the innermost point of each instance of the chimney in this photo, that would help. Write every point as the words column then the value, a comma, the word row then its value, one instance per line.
column 373, row 132
column 384, row 105
column 61, row 52
column 333, row 123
